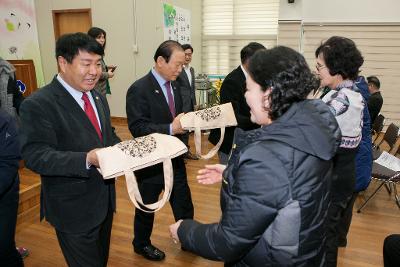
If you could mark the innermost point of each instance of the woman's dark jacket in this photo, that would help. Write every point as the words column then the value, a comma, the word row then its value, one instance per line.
column 364, row 154
column 275, row 193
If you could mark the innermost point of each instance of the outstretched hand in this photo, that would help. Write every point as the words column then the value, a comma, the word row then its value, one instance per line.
column 211, row 174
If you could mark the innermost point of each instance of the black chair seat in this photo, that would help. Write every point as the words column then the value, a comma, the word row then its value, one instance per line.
column 380, row 172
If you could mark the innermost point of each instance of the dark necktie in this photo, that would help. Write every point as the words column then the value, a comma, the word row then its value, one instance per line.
column 171, row 102
column 91, row 114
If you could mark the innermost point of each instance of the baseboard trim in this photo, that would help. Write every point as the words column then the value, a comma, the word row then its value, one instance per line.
column 119, row 120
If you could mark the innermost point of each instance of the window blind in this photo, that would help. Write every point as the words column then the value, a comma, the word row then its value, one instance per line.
column 228, row 25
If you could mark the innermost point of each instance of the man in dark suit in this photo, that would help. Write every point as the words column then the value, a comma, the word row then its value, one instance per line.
column 186, row 81
column 232, row 90
column 375, row 101
column 62, row 126
column 154, row 105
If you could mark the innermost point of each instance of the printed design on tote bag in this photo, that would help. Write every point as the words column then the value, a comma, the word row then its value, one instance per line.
column 138, row 147
column 209, row 114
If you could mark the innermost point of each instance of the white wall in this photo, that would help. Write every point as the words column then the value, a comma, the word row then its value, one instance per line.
column 341, row 10
column 117, row 19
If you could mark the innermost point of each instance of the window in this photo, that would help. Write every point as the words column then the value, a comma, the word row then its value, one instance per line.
column 228, row 25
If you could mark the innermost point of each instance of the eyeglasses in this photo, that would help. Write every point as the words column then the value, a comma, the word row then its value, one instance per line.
column 319, row 66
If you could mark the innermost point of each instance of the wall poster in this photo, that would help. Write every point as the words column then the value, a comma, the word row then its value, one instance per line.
column 176, row 24
column 19, row 35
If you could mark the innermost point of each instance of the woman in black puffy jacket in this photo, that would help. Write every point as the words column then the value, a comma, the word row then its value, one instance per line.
column 275, row 188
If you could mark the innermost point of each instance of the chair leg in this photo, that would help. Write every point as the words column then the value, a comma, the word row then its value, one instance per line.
column 388, row 188
column 396, row 195
column 371, row 196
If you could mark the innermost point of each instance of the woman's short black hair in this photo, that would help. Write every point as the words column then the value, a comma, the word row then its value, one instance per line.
column 96, row 32
column 286, row 72
column 341, row 57
column 69, row 45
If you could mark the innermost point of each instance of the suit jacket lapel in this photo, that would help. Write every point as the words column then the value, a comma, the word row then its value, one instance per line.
column 177, row 98
column 192, row 77
column 186, row 78
column 72, row 108
column 101, row 113
column 158, row 93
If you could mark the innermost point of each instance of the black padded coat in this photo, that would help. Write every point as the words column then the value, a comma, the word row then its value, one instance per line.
column 274, row 195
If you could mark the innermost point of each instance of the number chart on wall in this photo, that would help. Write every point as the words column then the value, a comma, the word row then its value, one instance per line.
column 176, row 24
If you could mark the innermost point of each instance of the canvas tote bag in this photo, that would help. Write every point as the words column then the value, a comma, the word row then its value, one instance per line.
column 138, row 153
column 220, row 116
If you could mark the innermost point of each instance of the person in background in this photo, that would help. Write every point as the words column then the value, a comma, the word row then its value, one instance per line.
column 62, row 126
column 391, row 251
column 10, row 100
column 154, row 105
column 269, row 217
column 375, row 101
column 10, row 95
column 338, row 64
column 363, row 164
column 232, row 90
column 9, row 190
column 107, row 72
column 186, row 82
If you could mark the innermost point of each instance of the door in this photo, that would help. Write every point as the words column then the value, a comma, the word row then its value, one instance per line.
column 71, row 20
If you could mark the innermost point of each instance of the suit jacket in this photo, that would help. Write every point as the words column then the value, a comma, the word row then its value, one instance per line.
column 9, row 153
column 56, row 135
column 375, row 103
column 232, row 90
column 148, row 112
column 188, row 92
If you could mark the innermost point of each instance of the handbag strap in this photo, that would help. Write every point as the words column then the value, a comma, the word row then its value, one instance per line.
column 197, row 143
column 134, row 193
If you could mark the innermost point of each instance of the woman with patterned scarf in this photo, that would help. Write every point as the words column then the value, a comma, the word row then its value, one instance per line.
column 338, row 64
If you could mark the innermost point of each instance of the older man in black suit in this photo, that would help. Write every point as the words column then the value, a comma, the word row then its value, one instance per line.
column 154, row 105
column 62, row 126
column 232, row 90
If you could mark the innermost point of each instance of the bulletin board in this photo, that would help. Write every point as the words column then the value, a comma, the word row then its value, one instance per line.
column 176, row 24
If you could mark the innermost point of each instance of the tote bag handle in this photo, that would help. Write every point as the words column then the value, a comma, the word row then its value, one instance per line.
column 197, row 143
column 134, row 193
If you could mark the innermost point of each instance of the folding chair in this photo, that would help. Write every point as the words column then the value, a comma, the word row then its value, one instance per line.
column 386, row 177
column 389, row 138
column 377, row 126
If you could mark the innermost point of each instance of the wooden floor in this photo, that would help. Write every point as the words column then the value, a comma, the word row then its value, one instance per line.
column 368, row 230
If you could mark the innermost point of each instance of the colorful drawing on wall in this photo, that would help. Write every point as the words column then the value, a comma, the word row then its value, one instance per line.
column 176, row 24
column 18, row 31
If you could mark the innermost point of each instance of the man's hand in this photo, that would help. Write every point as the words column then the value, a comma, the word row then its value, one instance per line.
column 91, row 158
column 176, row 125
column 110, row 73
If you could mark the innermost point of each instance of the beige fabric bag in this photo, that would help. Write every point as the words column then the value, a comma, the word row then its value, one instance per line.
column 220, row 116
column 138, row 153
